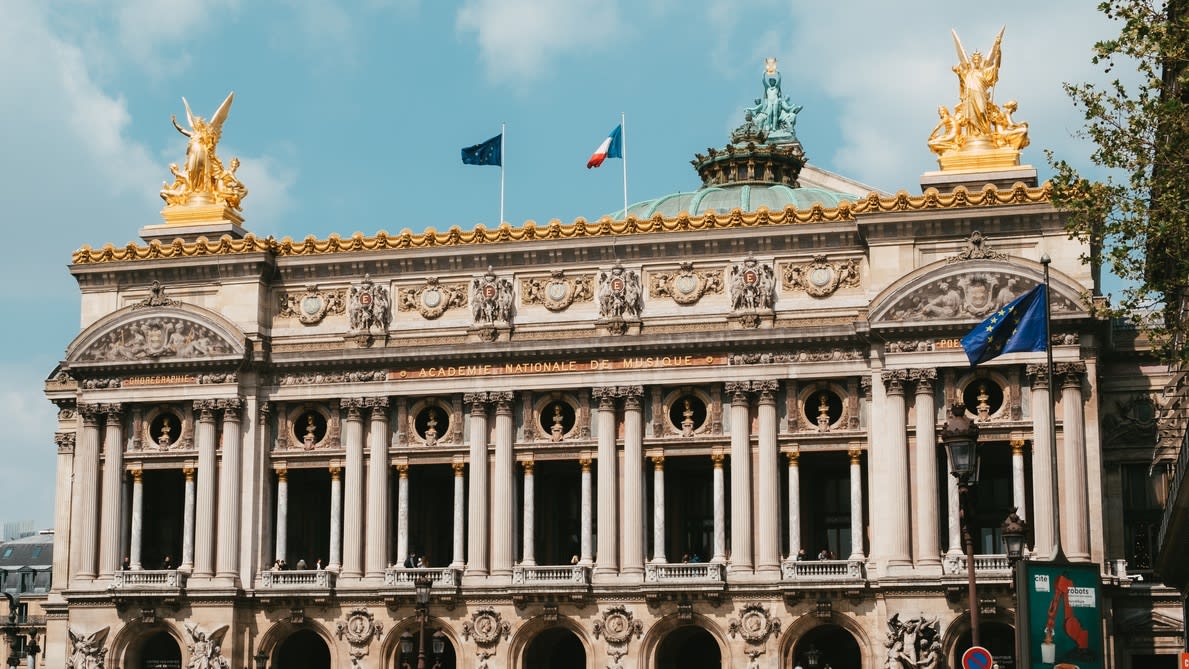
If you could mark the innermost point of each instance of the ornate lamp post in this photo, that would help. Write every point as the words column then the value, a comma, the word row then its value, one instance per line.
column 422, row 583
column 439, row 647
column 960, row 436
column 261, row 658
column 813, row 657
column 1014, row 531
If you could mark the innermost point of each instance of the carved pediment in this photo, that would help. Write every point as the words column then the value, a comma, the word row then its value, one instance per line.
column 171, row 333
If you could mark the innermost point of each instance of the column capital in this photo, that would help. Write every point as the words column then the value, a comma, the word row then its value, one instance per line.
column 137, row 475
column 865, row 385
column 794, row 458
column 459, row 468
column 64, row 441
column 1039, row 375
column 856, row 455
column 354, row 407
column 528, row 466
column 658, row 462
column 503, row 400
column 112, row 409
column 1017, row 446
column 402, row 470
column 717, row 458
column 335, row 472
column 206, row 409
column 924, row 379
column 766, row 390
column 1071, row 373
column 232, row 408
column 738, row 391
column 477, row 402
column 606, row 396
column 264, row 408
column 631, row 396
column 282, row 474
column 188, row 472
column 893, row 380
column 90, row 413
column 584, row 460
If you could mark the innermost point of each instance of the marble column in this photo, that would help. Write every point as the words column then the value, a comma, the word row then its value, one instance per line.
column 741, row 531
column 1075, row 532
column 658, row 509
column 84, row 517
column 528, row 557
column 137, row 519
column 376, row 535
column 794, row 458
column 1018, row 487
column 856, row 504
column 1043, row 499
column 607, row 552
column 768, row 483
column 113, row 482
column 283, row 514
column 402, row 513
column 478, row 505
column 204, row 531
column 503, row 524
column 894, row 469
column 188, row 503
column 720, row 510
column 335, row 559
column 953, row 515
column 458, row 528
column 632, row 537
column 227, row 559
column 928, row 543
column 586, row 557
column 353, row 489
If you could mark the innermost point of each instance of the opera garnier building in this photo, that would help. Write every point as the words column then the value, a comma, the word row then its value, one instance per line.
column 707, row 433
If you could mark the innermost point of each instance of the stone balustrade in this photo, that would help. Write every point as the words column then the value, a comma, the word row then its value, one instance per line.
column 443, row 577
column 298, row 579
column 551, row 575
column 826, row 571
column 684, row 572
column 150, row 579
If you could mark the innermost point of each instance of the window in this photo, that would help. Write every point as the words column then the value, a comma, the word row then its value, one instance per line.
column 1141, row 516
column 7, row 552
column 37, row 551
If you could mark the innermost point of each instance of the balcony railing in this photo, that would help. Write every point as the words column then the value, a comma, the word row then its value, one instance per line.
column 298, row 579
column 551, row 575
column 150, row 579
column 443, row 577
column 684, row 572
column 825, row 571
column 984, row 565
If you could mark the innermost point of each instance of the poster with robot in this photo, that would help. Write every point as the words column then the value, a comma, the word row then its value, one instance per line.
column 1064, row 615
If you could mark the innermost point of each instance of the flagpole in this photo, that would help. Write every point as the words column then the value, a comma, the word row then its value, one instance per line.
column 503, row 127
column 623, row 149
column 1058, row 554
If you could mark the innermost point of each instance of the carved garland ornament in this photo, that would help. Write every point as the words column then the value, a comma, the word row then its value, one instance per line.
column 313, row 305
column 820, row 278
column 618, row 626
column 754, row 624
column 434, row 298
column 359, row 627
column 557, row 292
column 486, row 627
column 685, row 286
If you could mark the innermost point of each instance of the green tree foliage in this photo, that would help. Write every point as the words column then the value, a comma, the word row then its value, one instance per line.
column 1137, row 219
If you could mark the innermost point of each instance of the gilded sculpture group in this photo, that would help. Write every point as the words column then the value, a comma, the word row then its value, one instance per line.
column 976, row 122
column 204, row 179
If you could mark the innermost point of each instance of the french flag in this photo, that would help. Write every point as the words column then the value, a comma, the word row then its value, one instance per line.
column 612, row 147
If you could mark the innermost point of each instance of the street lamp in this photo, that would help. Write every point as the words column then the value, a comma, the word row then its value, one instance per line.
column 439, row 647
column 960, row 436
column 1014, row 531
column 422, row 583
column 813, row 657
column 261, row 658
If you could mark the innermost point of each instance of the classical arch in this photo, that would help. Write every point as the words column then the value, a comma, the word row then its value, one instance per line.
column 655, row 637
column 532, row 629
column 809, row 626
column 274, row 639
column 128, row 645
column 996, row 634
column 389, row 646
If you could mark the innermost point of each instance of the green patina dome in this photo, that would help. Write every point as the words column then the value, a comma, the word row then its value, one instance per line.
column 747, row 197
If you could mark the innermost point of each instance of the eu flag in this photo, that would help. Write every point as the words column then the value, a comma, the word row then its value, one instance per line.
column 1015, row 327
column 487, row 153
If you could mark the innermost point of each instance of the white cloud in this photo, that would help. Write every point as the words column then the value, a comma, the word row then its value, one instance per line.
column 520, row 39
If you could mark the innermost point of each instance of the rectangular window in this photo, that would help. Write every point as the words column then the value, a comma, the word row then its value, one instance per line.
column 1141, row 516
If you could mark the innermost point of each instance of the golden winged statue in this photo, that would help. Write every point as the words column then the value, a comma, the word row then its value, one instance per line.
column 204, row 180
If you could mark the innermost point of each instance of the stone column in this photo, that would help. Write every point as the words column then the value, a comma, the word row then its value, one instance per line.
column 1074, row 500
column 741, row 531
column 1043, row 499
column 376, row 536
column 113, row 479
column 527, row 551
column 768, row 475
column 84, row 517
column 856, row 503
column 794, row 458
column 227, row 563
column 658, row 509
column 477, row 510
column 928, row 554
column 720, row 510
column 607, row 552
column 1018, row 487
column 402, row 513
column 204, row 531
column 503, row 525
column 632, row 537
column 282, row 514
column 137, row 519
column 894, row 470
column 335, row 559
column 188, row 504
column 353, row 489
column 459, row 558
column 586, row 556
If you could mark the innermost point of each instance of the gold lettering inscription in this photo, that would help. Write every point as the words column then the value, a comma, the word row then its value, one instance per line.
column 947, row 343
column 559, row 366
column 164, row 380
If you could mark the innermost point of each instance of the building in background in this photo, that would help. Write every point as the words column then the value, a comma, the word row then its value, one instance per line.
column 705, row 435
column 26, row 565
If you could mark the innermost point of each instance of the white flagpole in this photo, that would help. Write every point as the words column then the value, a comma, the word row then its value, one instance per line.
column 503, row 127
column 623, row 148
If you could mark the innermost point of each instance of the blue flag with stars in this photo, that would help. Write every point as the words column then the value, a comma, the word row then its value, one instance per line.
column 1015, row 327
column 487, row 153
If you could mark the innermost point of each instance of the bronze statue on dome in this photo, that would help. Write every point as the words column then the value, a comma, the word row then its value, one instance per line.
column 774, row 114
column 204, row 180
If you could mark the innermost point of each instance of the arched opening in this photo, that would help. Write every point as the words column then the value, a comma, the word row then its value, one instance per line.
column 689, row 647
column 827, row 646
column 556, row 648
column 303, row 649
column 157, row 651
column 997, row 637
column 439, row 650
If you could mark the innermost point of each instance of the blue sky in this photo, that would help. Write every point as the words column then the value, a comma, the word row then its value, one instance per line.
column 352, row 119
